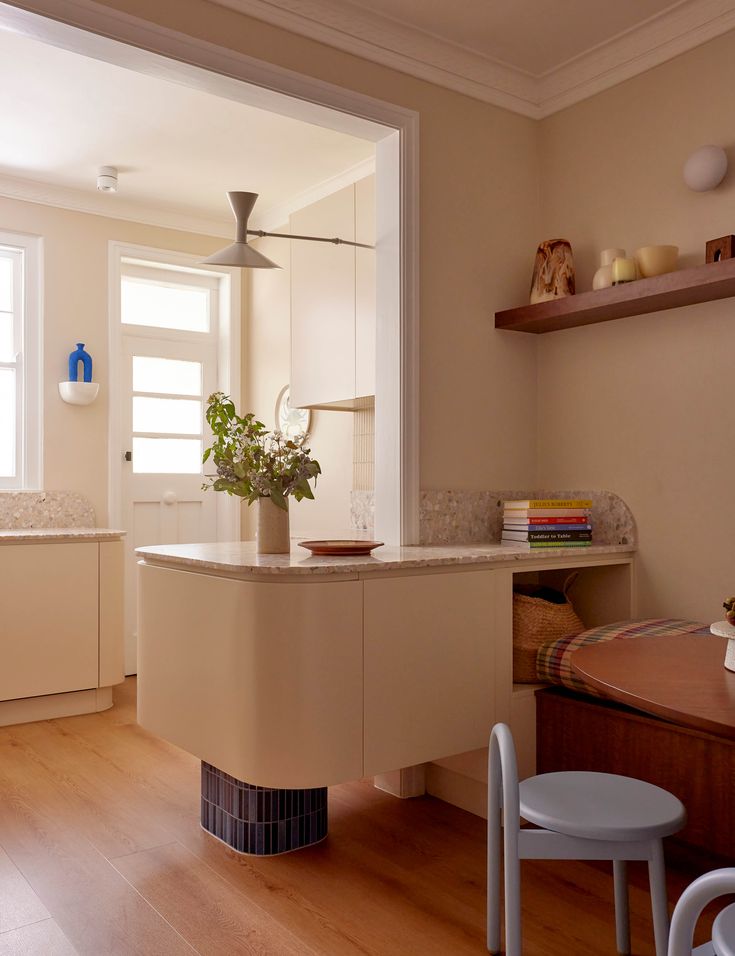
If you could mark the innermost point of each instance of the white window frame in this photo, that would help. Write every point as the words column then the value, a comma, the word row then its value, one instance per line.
column 27, row 330
column 228, row 333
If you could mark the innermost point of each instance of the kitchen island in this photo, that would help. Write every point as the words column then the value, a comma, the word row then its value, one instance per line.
column 294, row 672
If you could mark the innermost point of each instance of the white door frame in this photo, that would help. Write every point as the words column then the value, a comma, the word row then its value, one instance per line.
column 86, row 27
column 228, row 366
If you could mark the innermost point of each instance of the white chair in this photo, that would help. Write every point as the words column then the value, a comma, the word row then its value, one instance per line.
column 687, row 911
column 583, row 816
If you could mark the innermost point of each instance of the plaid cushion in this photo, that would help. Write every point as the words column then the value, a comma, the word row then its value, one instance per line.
column 553, row 661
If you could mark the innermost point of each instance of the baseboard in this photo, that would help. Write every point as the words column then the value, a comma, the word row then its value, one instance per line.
column 27, row 709
column 456, row 788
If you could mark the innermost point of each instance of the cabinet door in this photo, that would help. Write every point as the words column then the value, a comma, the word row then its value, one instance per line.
column 429, row 667
column 323, row 303
column 365, row 288
column 48, row 623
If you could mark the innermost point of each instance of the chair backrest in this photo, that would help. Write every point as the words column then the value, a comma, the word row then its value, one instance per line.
column 503, row 776
column 690, row 905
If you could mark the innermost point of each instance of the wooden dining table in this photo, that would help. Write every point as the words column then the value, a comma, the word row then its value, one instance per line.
column 679, row 677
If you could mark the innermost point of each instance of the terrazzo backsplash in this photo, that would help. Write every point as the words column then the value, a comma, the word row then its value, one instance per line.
column 45, row 509
column 362, row 510
column 476, row 517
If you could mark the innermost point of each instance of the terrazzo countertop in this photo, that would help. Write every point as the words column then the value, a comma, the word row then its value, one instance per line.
column 241, row 558
column 39, row 535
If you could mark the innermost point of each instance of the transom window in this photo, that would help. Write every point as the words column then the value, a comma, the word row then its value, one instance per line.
column 20, row 429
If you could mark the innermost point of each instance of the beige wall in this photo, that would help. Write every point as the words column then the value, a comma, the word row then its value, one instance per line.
column 645, row 406
column 267, row 368
column 479, row 217
column 75, row 254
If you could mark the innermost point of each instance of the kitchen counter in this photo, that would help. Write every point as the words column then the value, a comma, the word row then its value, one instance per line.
column 293, row 672
column 240, row 559
column 55, row 535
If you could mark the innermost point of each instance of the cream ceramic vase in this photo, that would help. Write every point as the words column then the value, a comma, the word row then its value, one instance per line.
column 272, row 536
column 603, row 277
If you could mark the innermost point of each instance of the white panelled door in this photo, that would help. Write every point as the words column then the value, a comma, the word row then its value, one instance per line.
column 165, row 385
column 168, row 368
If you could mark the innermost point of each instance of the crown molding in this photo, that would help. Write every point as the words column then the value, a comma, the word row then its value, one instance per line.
column 110, row 206
column 278, row 214
column 374, row 37
column 115, row 207
column 654, row 41
column 396, row 45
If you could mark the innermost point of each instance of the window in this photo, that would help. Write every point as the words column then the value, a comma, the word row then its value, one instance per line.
column 169, row 317
column 20, row 400
column 163, row 298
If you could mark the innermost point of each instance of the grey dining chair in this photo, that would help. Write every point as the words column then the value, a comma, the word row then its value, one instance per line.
column 580, row 816
column 687, row 911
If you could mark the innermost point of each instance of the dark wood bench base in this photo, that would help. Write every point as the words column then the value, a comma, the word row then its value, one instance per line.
column 574, row 732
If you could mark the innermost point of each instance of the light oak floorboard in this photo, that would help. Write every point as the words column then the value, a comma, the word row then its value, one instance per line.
column 39, row 939
column 213, row 915
column 101, row 819
column 19, row 905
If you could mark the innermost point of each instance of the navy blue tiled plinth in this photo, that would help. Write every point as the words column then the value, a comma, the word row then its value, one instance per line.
column 261, row 820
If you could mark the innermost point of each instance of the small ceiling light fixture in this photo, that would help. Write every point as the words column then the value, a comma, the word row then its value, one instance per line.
column 107, row 179
column 242, row 255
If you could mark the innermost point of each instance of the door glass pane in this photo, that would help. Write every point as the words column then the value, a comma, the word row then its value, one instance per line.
column 167, row 415
column 167, row 456
column 7, row 422
column 7, row 351
column 166, row 376
column 6, row 284
column 164, row 306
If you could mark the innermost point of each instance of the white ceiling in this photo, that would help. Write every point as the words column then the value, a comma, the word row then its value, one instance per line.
column 178, row 149
column 531, row 56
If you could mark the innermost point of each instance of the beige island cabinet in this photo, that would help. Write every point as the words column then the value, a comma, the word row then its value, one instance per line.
column 290, row 673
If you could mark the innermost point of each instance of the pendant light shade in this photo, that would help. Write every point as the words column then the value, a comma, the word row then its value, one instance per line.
column 240, row 254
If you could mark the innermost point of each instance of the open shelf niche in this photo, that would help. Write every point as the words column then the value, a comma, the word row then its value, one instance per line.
column 715, row 280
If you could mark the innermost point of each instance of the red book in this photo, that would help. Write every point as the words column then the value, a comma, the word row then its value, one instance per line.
column 569, row 519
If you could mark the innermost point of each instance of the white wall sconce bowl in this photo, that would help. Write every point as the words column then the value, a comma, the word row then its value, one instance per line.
column 705, row 169
column 79, row 393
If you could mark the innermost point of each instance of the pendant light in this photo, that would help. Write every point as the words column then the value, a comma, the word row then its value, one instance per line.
column 243, row 256
column 240, row 254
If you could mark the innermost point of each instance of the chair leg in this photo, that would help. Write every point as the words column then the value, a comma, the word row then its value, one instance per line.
column 493, row 876
column 512, row 866
column 659, row 899
column 622, row 916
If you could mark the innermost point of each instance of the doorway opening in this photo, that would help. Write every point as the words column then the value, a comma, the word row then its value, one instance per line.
column 194, row 65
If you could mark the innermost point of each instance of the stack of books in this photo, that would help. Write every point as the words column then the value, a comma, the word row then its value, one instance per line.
column 548, row 523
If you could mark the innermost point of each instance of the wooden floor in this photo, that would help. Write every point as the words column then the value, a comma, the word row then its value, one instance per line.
column 101, row 853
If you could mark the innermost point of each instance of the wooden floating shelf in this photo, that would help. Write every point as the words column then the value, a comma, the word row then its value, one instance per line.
column 715, row 280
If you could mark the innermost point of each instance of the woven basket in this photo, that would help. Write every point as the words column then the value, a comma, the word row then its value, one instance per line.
column 536, row 621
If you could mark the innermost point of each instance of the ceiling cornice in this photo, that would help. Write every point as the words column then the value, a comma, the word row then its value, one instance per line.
column 375, row 37
column 113, row 207
column 131, row 210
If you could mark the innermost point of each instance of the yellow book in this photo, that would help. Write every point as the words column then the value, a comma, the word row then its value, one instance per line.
column 530, row 503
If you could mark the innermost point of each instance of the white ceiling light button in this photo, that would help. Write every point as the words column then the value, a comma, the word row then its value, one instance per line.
column 705, row 169
column 107, row 179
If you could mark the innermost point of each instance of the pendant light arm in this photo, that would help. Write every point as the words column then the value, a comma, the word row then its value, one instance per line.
column 261, row 234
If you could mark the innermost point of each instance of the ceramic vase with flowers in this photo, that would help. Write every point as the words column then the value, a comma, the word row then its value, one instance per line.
column 259, row 466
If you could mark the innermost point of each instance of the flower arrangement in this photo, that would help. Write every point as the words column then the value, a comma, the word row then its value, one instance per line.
column 254, row 463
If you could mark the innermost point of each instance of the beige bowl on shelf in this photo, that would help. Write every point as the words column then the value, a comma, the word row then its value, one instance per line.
column 656, row 260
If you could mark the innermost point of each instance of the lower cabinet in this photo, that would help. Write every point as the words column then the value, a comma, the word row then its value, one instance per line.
column 60, row 631
column 429, row 667
column 49, row 619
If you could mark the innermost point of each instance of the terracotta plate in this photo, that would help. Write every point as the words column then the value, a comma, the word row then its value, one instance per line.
column 340, row 547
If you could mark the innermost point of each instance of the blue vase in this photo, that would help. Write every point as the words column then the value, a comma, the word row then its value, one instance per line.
column 75, row 358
